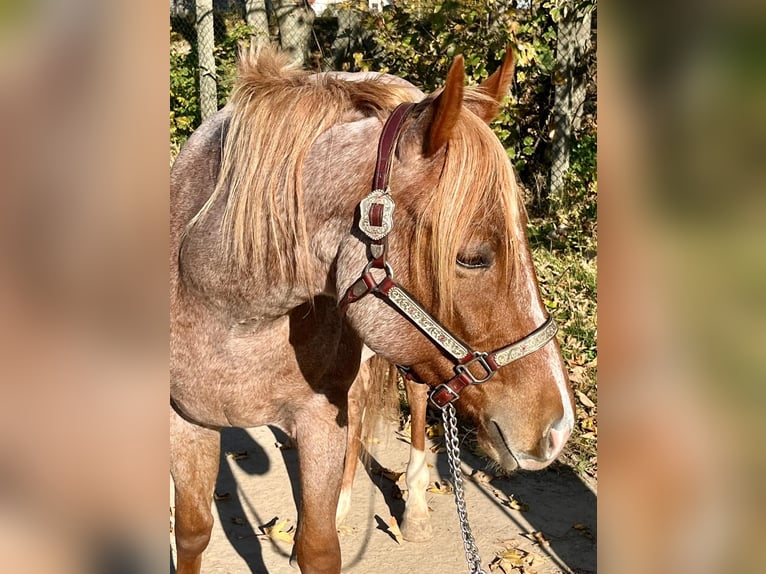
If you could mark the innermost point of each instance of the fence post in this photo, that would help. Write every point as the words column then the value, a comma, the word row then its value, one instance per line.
column 208, row 98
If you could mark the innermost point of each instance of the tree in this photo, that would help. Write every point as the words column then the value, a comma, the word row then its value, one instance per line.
column 570, row 85
column 208, row 98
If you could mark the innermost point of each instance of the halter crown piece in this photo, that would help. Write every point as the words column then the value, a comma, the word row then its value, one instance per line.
column 376, row 221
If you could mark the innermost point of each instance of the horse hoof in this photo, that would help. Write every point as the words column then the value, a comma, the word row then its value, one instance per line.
column 417, row 530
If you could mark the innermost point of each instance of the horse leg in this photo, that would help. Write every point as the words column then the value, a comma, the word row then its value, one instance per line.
column 416, row 523
column 355, row 412
column 321, row 448
column 194, row 453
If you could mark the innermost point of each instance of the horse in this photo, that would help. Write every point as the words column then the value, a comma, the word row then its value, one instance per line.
column 282, row 280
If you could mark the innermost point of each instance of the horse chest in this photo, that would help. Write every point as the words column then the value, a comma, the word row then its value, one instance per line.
column 235, row 376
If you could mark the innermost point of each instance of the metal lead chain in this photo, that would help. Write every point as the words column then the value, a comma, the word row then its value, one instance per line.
column 453, row 456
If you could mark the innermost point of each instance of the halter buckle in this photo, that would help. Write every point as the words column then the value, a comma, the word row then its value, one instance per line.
column 481, row 359
column 376, row 214
column 443, row 401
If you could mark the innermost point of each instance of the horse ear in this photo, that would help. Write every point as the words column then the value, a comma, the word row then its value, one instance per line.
column 446, row 108
column 496, row 87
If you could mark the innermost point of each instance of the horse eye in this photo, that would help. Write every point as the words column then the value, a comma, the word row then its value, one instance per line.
column 478, row 260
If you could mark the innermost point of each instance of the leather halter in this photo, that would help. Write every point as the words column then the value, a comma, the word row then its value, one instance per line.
column 376, row 222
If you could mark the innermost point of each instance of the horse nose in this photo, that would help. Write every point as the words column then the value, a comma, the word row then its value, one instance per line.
column 553, row 441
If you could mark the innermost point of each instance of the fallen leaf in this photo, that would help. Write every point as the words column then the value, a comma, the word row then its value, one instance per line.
column 537, row 537
column 281, row 531
column 482, row 477
column 514, row 556
column 584, row 400
column 516, row 504
column 237, row 455
column 393, row 526
column 392, row 475
column 584, row 530
column 435, row 430
column 440, row 488
column 438, row 448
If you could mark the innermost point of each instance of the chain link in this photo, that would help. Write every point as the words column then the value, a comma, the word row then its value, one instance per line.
column 453, row 456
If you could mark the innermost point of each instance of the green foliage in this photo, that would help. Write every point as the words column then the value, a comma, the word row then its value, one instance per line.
column 184, row 90
column 184, row 79
column 419, row 40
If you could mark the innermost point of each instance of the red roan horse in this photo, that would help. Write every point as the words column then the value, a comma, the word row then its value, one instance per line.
column 271, row 255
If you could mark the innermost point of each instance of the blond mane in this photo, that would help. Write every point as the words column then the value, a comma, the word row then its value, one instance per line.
column 273, row 123
column 476, row 181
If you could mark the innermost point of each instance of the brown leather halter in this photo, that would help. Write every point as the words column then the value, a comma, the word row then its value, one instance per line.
column 376, row 222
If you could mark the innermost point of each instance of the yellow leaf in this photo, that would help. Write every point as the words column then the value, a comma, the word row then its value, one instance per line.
column 515, row 556
column 517, row 504
column 439, row 488
column 281, row 531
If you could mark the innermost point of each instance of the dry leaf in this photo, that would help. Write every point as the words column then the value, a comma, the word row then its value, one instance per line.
column 237, row 455
column 439, row 488
column 537, row 537
column 393, row 527
column 516, row 504
column 584, row 530
column 281, row 531
column 514, row 556
column 481, row 477
column 392, row 475
column 435, row 430
column 584, row 400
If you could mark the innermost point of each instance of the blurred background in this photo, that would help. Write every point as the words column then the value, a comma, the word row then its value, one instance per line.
column 681, row 252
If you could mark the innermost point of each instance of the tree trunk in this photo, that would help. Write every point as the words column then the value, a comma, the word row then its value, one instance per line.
column 208, row 98
column 296, row 19
column 257, row 17
column 570, row 81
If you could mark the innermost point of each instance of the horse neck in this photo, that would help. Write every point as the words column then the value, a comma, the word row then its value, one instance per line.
column 337, row 173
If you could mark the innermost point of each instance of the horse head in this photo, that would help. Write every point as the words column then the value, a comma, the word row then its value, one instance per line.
column 458, row 245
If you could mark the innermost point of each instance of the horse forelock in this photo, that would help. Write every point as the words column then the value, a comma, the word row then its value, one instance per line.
column 278, row 112
column 476, row 189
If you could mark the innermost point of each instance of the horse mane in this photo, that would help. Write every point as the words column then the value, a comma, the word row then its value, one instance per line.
column 260, row 175
column 476, row 182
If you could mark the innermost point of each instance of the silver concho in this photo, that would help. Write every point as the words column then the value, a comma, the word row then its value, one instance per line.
column 383, row 198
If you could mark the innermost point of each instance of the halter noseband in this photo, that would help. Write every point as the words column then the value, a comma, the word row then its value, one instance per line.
column 376, row 222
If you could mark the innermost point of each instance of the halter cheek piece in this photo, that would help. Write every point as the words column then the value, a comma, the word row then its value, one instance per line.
column 376, row 221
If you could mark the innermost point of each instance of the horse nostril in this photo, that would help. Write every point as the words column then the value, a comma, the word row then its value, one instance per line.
column 555, row 438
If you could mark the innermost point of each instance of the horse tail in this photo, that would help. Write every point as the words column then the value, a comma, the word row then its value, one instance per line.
column 374, row 398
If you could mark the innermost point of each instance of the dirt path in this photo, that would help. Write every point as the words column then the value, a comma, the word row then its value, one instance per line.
column 560, row 506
